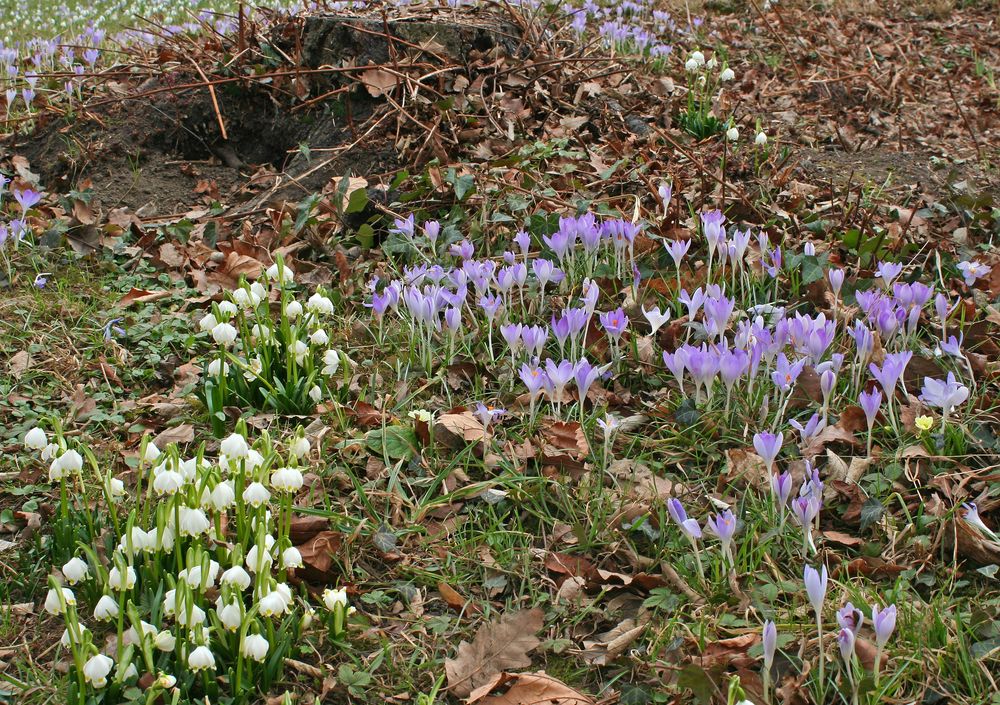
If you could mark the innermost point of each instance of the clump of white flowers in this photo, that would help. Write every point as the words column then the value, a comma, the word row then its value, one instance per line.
column 271, row 350
column 208, row 543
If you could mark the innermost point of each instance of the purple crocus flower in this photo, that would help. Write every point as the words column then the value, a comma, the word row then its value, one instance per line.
column 523, row 241
column 769, row 638
column 768, row 445
column 491, row 305
column 887, row 272
column 404, row 226
column 689, row 527
column 805, row 508
column 733, row 364
column 813, row 427
column 953, row 346
column 453, row 319
column 972, row 270
column 815, row 582
column 678, row 249
column 692, row 302
column 945, row 394
column 585, row 375
column 676, row 362
column 785, row 372
column 534, row 338
column 559, row 375
column 723, row 525
column 781, row 490
column 545, row 271
column 665, row 192
column 432, row 229
column 614, row 323
column 775, row 267
column 850, row 617
column 884, row 623
column 561, row 240
column 889, row 375
column 703, row 364
column 836, row 277
column 717, row 314
column 845, row 642
column 511, row 333
column 870, row 403
column 464, row 249
column 27, row 198
column 488, row 414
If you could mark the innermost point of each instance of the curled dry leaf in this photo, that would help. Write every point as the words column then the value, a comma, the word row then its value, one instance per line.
column 497, row 646
column 611, row 644
column 317, row 556
column 528, row 689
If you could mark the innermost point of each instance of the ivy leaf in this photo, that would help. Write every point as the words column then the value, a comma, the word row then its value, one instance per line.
column 812, row 269
column 687, row 413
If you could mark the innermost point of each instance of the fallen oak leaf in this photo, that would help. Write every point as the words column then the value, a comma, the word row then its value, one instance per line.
column 611, row 644
column 497, row 646
column 317, row 555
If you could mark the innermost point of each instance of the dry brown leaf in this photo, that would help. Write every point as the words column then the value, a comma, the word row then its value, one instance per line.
column 497, row 646
column 19, row 364
column 379, row 82
column 455, row 600
column 458, row 429
column 611, row 644
column 317, row 556
column 528, row 689
column 184, row 433
column 838, row 470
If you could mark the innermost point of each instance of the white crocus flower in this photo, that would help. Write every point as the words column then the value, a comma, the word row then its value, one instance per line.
column 655, row 318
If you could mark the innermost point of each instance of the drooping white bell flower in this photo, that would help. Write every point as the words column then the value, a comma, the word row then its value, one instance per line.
column 299, row 447
column 106, row 608
column 334, row 598
column 319, row 337
column 235, row 446
column 282, row 275
column 208, row 322
column 52, row 603
column 35, row 439
column 256, row 494
column 168, row 482
column 75, row 570
column 331, row 362
column 255, row 647
column 96, row 670
column 293, row 309
column 225, row 334
column 236, row 576
column 193, row 522
column 287, row 479
column 319, row 304
column 272, row 604
column 71, row 461
column 201, row 659
column 223, row 495
column 231, row 616
column 115, row 581
column 165, row 641
column 291, row 558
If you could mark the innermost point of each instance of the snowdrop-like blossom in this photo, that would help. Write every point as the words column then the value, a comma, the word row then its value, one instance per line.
column 115, row 581
column 732, row 134
column 168, row 482
column 75, row 570
column 319, row 337
column 236, row 576
column 165, row 641
column 231, row 616
column 293, row 309
column 225, row 334
column 70, row 461
column 727, row 75
column 53, row 605
column 299, row 447
column 106, row 608
column 331, row 362
column 35, row 439
column 291, row 558
column 256, row 494
column 234, row 446
column 319, row 305
column 273, row 604
column 255, row 647
column 761, row 139
column 201, row 659
column 193, row 522
column 287, row 479
column 208, row 323
column 96, row 670
column 282, row 274
column 223, row 495
column 334, row 598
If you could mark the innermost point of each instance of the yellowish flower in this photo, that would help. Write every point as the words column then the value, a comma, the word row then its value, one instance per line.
column 924, row 423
